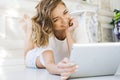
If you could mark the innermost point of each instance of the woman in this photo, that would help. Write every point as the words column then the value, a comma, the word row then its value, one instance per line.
column 49, row 39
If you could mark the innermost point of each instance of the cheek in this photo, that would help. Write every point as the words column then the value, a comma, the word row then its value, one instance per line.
column 57, row 26
column 69, row 16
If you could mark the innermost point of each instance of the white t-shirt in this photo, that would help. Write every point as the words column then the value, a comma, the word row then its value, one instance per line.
column 59, row 48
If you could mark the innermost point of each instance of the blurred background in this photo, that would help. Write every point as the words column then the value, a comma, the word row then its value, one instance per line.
column 12, row 35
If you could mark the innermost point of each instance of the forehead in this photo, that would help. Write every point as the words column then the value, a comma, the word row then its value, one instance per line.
column 58, row 10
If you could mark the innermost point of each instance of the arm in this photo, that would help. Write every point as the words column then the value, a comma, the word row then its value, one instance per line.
column 69, row 37
column 28, row 44
column 63, row 68
column 49, row 62
column 27, row 27
column 70, row 40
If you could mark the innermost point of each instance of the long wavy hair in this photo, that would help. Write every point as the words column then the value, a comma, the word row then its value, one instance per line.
column 42, row 26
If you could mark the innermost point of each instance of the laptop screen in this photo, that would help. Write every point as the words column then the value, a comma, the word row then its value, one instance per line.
column 95, row 59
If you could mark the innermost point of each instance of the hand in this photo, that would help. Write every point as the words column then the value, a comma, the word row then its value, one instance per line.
column 66, row 69
column 73, row 24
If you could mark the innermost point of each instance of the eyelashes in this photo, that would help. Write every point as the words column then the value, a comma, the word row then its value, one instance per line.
column 66, row 12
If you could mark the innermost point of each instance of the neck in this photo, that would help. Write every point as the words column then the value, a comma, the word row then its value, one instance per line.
column 60, row 35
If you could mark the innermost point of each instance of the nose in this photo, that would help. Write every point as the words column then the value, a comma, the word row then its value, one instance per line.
column 65, row 21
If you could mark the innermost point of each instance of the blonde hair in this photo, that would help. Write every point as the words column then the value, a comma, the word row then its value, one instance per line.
column 42, row 25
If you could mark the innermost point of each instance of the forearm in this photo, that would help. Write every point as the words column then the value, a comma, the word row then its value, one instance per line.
column 50, row 62
column 70, row 40
column 69, row 31
column 29, row 45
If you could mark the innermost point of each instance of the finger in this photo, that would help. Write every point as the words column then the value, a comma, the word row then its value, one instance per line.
column 75, row 20
column 63, row 65
column 66, row 65
column 64, row 78
column 71, row 69
column 64, row 68
column 71, row 21
column 65, row 60
column 71, row 24
column 66, row 74
column 25, row 17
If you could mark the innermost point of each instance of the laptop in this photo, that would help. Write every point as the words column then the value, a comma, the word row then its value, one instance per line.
column 98, row 59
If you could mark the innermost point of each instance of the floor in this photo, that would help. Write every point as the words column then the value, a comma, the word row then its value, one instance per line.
column 12, row 68
column 16, row 70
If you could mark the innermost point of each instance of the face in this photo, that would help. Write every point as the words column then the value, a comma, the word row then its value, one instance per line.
column 60, row 18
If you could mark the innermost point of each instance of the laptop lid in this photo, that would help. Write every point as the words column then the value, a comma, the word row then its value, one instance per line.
column 95, row 59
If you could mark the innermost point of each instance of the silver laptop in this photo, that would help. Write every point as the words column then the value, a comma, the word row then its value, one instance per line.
column 95, row 59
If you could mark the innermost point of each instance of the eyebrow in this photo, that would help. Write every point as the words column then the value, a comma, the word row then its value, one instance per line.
column 57, row 16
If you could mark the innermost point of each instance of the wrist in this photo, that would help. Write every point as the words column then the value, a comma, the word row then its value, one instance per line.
column 68, row 32
column 58, row 69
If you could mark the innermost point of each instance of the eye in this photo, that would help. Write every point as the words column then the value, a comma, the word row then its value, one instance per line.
column 65, row 12
column 55, row 20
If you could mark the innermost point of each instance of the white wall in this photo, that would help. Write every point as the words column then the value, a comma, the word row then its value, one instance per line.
column 11, row 11
column 11, row 33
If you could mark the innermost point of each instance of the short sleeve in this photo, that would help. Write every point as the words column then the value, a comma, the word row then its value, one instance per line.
column 43, row 49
